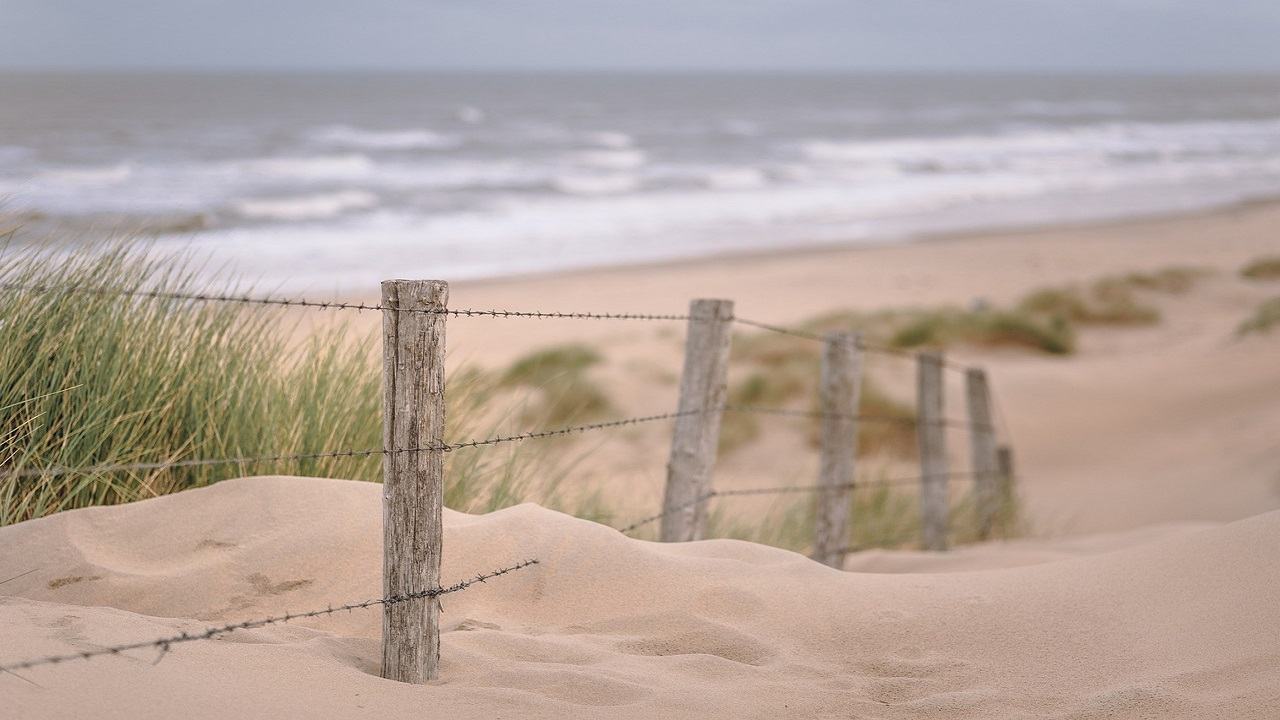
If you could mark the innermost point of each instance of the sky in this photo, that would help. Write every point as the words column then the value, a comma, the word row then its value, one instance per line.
column 777, row 35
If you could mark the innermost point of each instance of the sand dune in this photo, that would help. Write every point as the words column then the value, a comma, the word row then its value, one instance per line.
column 1182, row 623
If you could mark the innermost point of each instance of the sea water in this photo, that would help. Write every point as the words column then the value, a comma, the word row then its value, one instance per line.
column 336, row 181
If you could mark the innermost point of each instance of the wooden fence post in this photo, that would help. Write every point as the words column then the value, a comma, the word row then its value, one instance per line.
column 982, row 444
column 841, row 385
column 933, row 450
column 1005, row 472
column 413, row 348
column 703, row 389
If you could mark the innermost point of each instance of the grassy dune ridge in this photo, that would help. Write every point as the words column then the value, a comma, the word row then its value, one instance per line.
column 95, row 376
column 102, row 378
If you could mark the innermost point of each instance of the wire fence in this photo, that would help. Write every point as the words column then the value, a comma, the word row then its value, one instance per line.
column 58, row 471
column 452, row 312
column 783, row 490
column 163, row 645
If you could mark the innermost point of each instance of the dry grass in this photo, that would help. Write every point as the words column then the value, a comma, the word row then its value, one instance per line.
column 1112, row 300
column 107, row 379
column 564, row 392
column 882, row 515
column 986, row 328
column 1263, row 268
column 1263, row 319
column 781, row 372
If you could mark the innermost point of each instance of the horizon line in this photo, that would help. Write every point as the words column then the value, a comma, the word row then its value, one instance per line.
column 624, row 70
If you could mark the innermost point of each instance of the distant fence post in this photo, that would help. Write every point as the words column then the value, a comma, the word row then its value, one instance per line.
column 933, row 450
column 413, row 482
column 703, row 389
column 1007, row 477
column 982, row 444
column 841, row 383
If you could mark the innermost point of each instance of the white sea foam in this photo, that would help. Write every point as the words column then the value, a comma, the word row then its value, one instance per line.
column 600, row 184
column 611, row 159
column 1098, row 146
column 358, row 138
column 746, row 178
column 349, row 166
column 88, row 175
column 320, row 206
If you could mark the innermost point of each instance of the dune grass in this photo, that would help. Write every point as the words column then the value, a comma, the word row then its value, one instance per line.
column 1264, row 318
column 1111, row 300
column 1263, row 268
column 1105, row 303
column 558, row 376
column 985, row 328
column 100, row 378
column 882, row 515
column 780, row 372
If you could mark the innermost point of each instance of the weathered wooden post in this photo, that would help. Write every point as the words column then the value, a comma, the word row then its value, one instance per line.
column 413, row 348
column 841, row 383
column 932, row 435
column 703, row 389
column 1007, row 478
column 982, row 449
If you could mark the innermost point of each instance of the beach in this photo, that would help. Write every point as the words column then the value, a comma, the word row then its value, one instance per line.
column 1147, row 463
column 1154, row 424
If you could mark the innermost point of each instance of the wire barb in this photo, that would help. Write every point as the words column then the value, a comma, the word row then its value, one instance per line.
column 164, row 645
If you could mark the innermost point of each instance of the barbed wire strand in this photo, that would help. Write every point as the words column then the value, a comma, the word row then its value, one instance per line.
column 868, row 484
column 164, row 644
column 335, row 304
column 947, row 422
column 448, row 447
column 454, row 312
column 57, row 471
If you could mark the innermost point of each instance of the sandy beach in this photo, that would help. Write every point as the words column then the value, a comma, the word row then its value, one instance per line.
column 1144, row 425
column 1148, row 464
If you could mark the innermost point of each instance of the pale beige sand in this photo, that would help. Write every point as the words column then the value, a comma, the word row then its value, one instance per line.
column 1184, row 626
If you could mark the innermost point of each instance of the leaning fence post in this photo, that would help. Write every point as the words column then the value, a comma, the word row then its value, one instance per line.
column 982, row 444
column 841, row 382
column 697, row 431
column 933, row 450
column 413, row 478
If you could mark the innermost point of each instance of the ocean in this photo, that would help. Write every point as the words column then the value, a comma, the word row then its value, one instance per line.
column 334, row 182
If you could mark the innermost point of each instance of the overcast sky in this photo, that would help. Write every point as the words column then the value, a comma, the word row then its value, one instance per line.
column 1029, row 35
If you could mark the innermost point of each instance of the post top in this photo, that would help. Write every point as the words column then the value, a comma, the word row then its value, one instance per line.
column 711, row 309
column 415, row 294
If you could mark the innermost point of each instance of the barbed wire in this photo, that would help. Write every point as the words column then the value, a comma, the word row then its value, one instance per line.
column 780, row 330
column 164, row 644
column 202, row 297
column 861, row 417
column 247, row 460
column 783, row 489
column 337, row 305
column 58, row 471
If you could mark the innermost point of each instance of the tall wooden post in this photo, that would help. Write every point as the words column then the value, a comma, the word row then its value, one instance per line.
column 841, row 383
column 982, row 449
column 933, row 450
column 703, row 389
column 413, row 478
